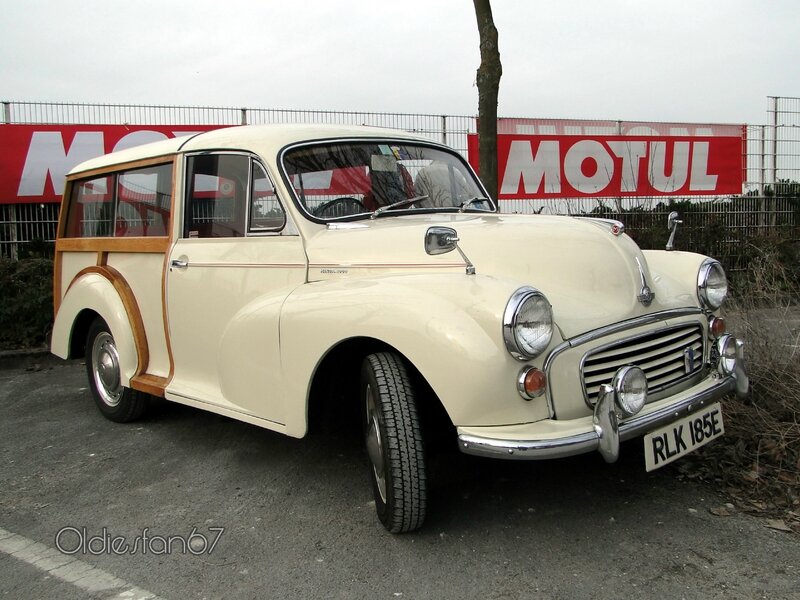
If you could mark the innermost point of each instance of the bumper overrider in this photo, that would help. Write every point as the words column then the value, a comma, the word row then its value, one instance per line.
column 611, row 422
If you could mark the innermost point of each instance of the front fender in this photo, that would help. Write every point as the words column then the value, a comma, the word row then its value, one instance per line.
column 94, row 292
column 449, row 326
column 675, row 276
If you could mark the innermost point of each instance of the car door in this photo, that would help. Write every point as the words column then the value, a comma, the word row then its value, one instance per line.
column 238, row 257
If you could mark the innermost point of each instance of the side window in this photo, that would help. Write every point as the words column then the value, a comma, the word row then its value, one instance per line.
column 132, row 203
column 91, row 208
column 143, row 202
column 266, row 213
column 216, row 195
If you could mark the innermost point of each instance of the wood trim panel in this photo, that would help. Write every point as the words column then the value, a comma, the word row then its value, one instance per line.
column 144, row 245
column 164, row 159
column 164, row 316
column 150, row 384
column 131, row 309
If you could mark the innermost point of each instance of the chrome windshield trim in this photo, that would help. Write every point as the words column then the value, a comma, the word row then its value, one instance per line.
column 402, row 138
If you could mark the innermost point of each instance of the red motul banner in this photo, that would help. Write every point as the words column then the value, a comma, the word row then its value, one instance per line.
column 36, row 158
column 570, row 166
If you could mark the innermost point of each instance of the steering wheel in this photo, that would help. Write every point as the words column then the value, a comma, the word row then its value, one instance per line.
column 340, row 207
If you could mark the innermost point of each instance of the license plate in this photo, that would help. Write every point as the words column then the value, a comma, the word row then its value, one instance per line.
column 680, row 437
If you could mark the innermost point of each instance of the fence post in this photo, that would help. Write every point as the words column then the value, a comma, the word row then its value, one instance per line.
column 244, row 116
column 761, row 167
column 774, row 142
column 12, row 230
column 6, row 112
column 774, row 203
column 444, row 129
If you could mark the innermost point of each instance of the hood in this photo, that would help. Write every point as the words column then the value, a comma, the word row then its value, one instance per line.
column 591, row 276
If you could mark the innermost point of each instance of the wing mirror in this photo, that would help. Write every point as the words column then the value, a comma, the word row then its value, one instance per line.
column 673, row 220
column 441, row 240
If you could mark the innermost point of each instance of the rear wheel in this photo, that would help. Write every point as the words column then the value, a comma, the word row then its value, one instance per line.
column 116, row 402
column 394, row 442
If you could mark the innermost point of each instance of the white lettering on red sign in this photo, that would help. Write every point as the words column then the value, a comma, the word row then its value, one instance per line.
column 48, row 157
column 589, row 168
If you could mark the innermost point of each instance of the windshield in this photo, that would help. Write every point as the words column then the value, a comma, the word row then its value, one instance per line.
column 346, row 179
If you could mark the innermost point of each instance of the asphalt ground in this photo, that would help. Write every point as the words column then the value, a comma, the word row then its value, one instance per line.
column 295, row 518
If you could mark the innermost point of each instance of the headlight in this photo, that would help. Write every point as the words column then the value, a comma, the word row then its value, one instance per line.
column 527, row 323
column 712, row 285
column 630, row 385
column 726, row 348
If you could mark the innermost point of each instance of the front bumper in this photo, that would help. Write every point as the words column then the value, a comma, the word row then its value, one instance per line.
column 603, row 431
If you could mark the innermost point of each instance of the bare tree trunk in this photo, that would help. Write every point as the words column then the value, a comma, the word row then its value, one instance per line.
column 488, row 80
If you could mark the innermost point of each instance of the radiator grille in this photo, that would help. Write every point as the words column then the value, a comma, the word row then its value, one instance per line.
column 666, row 356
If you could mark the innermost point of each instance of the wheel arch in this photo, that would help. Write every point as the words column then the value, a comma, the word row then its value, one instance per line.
column 90, row 296
column 333, row 401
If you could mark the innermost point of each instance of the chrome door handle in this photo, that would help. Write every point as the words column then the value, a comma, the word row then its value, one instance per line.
column 179, row 264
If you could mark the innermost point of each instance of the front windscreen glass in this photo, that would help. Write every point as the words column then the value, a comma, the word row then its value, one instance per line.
column 335, row 181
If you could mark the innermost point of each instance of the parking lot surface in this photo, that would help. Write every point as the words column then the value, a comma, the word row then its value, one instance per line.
column 94, row 509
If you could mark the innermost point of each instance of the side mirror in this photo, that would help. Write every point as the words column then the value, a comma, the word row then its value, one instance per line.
column 440, row 240
column 673, row 220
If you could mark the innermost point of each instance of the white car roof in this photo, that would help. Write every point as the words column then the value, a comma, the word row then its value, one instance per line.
column 265, row 140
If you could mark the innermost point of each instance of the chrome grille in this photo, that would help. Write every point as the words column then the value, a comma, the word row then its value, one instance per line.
column 667, row 357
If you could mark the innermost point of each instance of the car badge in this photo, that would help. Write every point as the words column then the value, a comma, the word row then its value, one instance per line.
column 688, row 359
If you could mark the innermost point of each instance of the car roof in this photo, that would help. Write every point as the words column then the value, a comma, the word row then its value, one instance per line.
column 262, row 139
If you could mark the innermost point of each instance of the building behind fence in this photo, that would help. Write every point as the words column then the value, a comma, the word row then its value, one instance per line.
column 770, row 196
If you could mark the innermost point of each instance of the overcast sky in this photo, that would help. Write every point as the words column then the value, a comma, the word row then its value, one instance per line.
column 698, row 61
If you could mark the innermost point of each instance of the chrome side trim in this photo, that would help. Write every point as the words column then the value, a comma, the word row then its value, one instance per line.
column 588, row 441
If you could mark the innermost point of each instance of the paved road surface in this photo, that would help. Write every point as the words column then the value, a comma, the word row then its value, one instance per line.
column 299, row 522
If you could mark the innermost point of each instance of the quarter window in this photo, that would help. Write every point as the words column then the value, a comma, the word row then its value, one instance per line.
column 266, row 213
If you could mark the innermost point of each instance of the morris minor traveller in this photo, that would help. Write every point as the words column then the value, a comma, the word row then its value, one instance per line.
column 272, row 273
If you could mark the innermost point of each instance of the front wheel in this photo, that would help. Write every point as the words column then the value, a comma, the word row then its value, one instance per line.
column 394, row 442
column 116, row 402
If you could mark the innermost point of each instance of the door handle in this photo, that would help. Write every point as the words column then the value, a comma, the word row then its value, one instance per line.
column 179, row 264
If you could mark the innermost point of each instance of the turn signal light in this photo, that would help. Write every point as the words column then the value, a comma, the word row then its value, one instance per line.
column 717, row 326
column 531, row 383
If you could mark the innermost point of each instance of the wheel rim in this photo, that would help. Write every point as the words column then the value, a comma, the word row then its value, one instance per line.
column 375, row 444
column 105, row 369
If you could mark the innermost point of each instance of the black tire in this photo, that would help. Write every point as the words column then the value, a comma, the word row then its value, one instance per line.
column 394, row 444
column 115, row 402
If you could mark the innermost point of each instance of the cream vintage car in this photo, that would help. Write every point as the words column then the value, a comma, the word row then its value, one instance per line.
column 272, row 273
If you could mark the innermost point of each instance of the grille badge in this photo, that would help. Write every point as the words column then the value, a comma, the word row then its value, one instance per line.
column 688, row 359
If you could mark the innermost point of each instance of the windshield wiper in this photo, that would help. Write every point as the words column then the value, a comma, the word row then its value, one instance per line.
column 404, row 202
column 466, row 203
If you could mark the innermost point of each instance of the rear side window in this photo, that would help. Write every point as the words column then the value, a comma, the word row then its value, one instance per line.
column 144, row 197
column 130, row 203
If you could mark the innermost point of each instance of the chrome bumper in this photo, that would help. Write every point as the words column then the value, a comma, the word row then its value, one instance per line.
column 607, row 431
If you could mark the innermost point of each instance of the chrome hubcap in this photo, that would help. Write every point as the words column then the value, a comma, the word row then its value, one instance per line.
column 105, row 368
column 375, row 444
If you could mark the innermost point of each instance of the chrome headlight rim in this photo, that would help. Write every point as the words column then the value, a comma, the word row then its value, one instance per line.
column 726, row 353
column 510, row 321
column 708, row 267
column 626, row 400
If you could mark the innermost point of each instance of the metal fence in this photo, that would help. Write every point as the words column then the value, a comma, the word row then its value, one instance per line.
column 769, row 198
